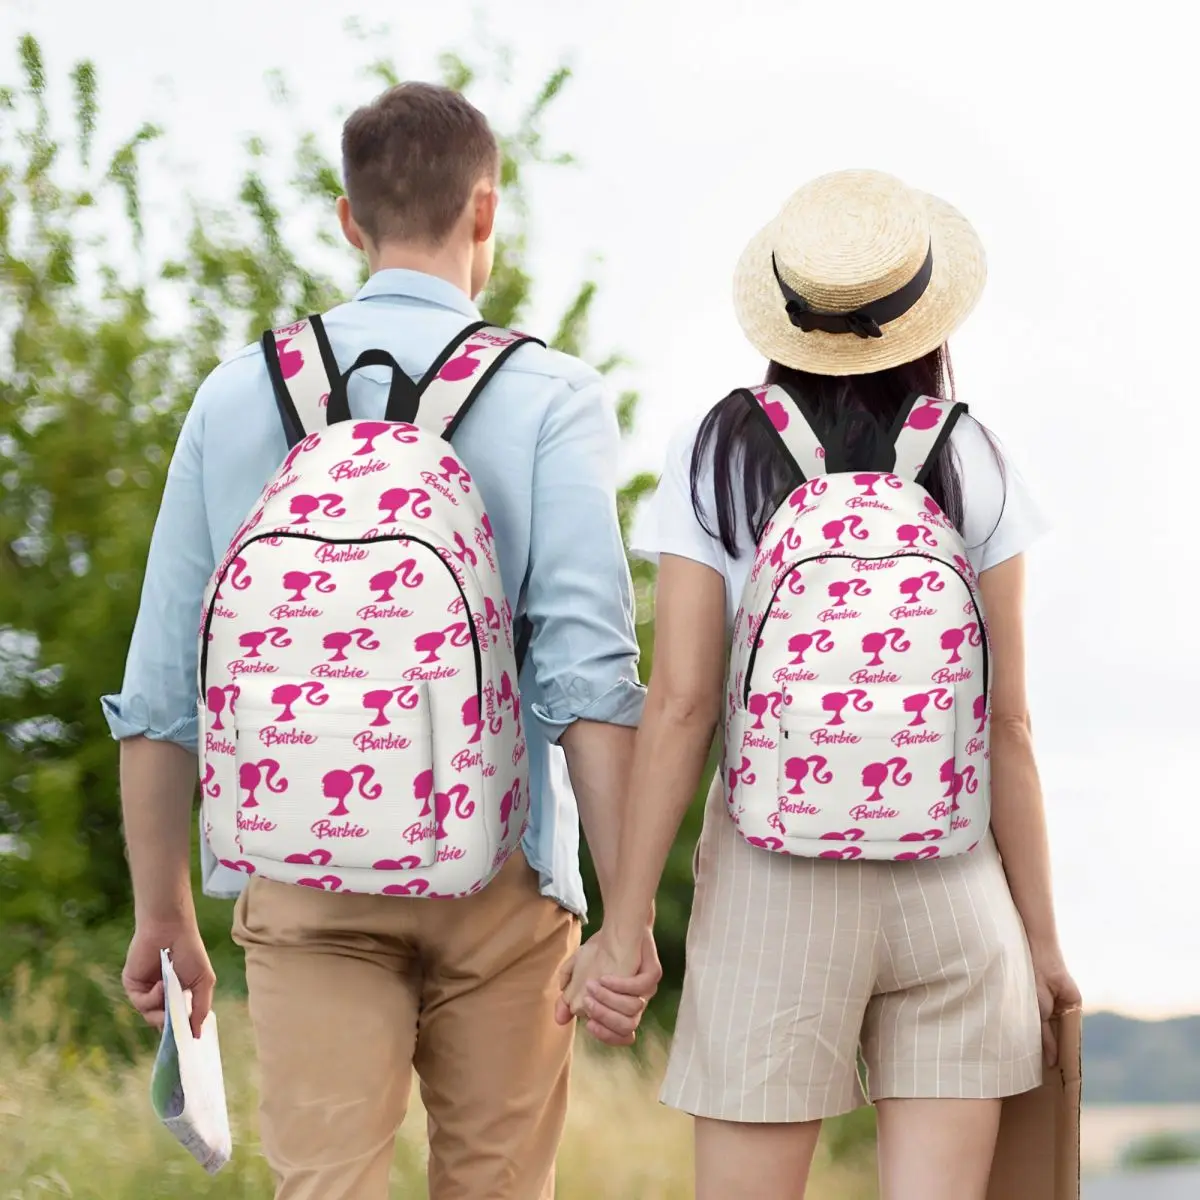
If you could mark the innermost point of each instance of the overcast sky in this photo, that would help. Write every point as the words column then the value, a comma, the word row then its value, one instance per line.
column 1065, row 135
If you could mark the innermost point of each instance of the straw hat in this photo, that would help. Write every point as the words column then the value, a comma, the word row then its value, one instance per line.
column 858, row 272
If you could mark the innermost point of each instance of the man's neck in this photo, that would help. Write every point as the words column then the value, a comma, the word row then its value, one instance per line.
column 449, row 263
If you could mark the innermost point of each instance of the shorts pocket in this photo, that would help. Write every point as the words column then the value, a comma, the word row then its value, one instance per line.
column 332, row 775
column 868, row 767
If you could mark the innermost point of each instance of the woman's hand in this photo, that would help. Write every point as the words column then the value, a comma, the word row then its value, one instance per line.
column 1056, row 992
column 610, row 986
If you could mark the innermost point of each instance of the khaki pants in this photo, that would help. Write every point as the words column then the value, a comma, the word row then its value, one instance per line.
column 348, row 993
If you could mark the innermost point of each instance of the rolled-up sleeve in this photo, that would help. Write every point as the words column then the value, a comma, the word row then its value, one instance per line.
column 158, row 695
column 579, row 596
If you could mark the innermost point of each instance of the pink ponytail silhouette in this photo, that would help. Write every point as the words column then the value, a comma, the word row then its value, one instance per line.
column 953, row 639
column 776, row 412
column 910, row 535
column 932, row 509
column 911, row 588
column 918, row 702
column 852, row 526
column 215, row 701
column 253, row 640
column 239, row 577
column 339, row 641
column 414, row 887
column 509, row 803
column 846, row 852
column 839, row 589
column 368, row 431
column 874, row 644
column 798, row 770
column 287, row 694
column 799, row 645
column 314, row 858
column 395, row 499
column 875, row 775
column 957, row 782
column 760, row 703
column 377, row 701
column 453, row 470
column 253, row 775
column 741, row 774
column 463, row 365
column 337, row 785
column 912, row 855
column 455, row 799
column 298, row 582
column 409, row 862
column 405, row 574
column 472, row 720
column 463, row 552
column 869, row 482
column 327, row 883
column 836, row 702
column 458, row 634
column 303, row 506
column 924, row 417
column 814, row 487
column 211, row 788
column 767, row 843
column 423, row 791
column 980, row 712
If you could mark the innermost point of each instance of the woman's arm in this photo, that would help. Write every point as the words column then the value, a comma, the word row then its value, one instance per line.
column 683, row 706
column 1018, row 814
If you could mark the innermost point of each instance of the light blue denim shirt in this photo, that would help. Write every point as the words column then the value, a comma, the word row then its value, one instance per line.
column 542, row 444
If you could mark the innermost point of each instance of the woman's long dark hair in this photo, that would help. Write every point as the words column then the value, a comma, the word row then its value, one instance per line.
column 854, row 413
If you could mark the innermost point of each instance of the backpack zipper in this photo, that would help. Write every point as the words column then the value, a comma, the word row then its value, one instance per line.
column 862, row 558
column 312, row 537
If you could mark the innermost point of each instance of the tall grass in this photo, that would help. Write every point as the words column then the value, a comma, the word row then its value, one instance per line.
column 76, row 1123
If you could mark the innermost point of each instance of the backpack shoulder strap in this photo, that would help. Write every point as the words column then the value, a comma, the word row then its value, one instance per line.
column 923, row 427
column 460, row 373
column 785, row 416
column 302, row 369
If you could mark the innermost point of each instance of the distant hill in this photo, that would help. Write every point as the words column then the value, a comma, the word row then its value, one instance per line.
column 1140, row 1062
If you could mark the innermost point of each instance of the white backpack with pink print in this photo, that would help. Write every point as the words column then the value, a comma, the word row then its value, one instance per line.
column 857, row 721
column 360, row 724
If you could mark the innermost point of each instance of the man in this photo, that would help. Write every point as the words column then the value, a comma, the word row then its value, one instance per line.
column 349, row 992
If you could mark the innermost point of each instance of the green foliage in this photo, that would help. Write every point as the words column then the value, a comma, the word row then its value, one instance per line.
column 1162, row 1149
column 93, row 387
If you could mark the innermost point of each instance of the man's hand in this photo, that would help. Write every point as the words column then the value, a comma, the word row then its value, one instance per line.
column 142, row 977
column 610, row 988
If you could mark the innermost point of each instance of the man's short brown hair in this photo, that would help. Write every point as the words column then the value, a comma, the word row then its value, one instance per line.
column 410, row 160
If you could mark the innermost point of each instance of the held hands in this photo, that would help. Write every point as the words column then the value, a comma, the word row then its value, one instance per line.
column 609, row 987
column 142, row 977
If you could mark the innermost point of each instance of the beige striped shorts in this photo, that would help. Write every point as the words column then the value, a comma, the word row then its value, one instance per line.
column 797, row 968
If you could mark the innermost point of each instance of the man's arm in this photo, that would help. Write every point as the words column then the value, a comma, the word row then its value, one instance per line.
column 155, row 719
column 579, row 598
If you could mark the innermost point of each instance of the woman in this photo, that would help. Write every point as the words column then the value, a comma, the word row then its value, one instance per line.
column 935, row 969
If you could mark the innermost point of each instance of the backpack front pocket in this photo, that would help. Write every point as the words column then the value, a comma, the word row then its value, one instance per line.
column 866, row 770
column 335, row 773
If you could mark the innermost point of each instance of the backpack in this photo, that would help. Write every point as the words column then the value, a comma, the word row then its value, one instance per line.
column 857, row 719
column 360, row 720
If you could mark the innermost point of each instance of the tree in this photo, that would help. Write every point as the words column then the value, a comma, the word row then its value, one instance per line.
column 93, row 388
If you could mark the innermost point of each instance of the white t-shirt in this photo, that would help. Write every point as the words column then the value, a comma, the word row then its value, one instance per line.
column 1000, row 518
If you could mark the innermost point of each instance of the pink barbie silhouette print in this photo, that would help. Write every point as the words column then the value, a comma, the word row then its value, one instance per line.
column 858, row 699
column 360, row 723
